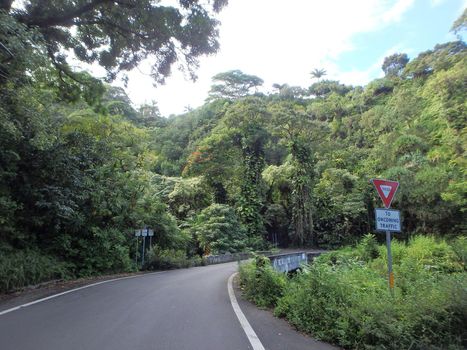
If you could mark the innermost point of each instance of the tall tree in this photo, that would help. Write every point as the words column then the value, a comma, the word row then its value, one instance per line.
column 394, row 65
column 233, row 85
column 300, row 133
column 118, row 35
column 318, row 73
column 460, row 24
column 246, row 119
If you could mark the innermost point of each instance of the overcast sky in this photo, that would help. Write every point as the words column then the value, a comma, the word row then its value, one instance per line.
column 281, row 41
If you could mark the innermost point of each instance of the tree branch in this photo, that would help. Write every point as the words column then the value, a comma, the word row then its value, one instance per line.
column 63, row 19
column 6, row 5
column 121, row 30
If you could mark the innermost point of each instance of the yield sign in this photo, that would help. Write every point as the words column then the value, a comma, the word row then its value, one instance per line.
column 386, row 190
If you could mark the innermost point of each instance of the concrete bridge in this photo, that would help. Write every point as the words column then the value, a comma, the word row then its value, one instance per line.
column 292, row 261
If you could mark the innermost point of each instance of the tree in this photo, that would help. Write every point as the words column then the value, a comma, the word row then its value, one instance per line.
column 441, row 57
column 460, row 24
column 218, row 230
column 189, row 196
column 116, row 102
column 290, row 92
column 233, row 85
column 149, row 116
column 318, row 73
column 118, row 35
column 300, row 134
column 394, row 65
column 326, row 87
column 246, row 118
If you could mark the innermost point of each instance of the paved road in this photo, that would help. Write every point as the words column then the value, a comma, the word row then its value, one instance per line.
column 182, row 309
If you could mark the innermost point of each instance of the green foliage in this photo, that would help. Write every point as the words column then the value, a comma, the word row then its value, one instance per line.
column 166, row 259
column 233, row 84
column 311, row 159
column 102, row 250
column 342, row 297
column 261, row 284
column 25, row 267
column 394, row 65
column 440, row 58
column 118, row 36
column 459, row 245
column 189, row 196
column 460, row 24
column 339, row 205
column 74, row 179
column 218, row 230
column 81, row 168
column 325, row 87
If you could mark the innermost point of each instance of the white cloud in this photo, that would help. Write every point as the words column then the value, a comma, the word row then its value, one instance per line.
column 280, row 41
column 361, row 77
column 435, row 3
column 395, row 13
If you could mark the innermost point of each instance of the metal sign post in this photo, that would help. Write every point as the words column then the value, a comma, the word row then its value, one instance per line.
column 136, row 252
column 143, row 233
column 137, row 235
column 390, row 273
column 387, row 220
column 150, row 234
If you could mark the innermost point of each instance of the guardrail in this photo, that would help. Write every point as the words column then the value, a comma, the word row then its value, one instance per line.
column 288, row 262
column 224, row 258
column 281, row 262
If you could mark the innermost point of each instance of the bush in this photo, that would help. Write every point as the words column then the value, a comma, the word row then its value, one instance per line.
column 105, row 252
column 218, row 230
column 261, row 283
column 28, row 267
column 166, row 259
column 343, row 297
column 459, row 246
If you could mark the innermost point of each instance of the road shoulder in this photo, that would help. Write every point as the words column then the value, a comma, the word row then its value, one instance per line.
column 275, row 333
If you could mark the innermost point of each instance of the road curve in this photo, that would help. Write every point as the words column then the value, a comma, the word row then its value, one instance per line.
column 181, row 309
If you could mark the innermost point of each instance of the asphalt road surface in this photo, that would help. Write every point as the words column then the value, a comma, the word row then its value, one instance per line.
column 181, row 309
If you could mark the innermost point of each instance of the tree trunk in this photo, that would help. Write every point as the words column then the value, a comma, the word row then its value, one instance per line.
column 6, row 5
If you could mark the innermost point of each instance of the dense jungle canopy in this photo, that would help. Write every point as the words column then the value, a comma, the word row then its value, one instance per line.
column 81, row 167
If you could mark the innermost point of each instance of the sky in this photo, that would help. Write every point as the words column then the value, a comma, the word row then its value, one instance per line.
column 282, row 41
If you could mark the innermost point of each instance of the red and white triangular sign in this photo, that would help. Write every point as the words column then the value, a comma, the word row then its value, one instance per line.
column 386, row 190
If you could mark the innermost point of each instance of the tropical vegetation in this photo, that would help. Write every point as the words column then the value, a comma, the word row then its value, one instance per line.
column 81, row 167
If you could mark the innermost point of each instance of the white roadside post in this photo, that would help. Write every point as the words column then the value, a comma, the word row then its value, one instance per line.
column 387, row 220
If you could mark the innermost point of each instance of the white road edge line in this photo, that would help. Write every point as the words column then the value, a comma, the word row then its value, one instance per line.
column 72, row 290
column 250, row 333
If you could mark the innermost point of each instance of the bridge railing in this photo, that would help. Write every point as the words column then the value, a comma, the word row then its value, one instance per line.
column 292, row 261
column 288, row 262
column 224, row 258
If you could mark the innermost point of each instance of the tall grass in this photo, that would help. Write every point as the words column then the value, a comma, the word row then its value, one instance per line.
column 261, row 284
column 28, row 267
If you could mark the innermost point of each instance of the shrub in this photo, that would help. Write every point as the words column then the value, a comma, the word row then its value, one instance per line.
column 343, row 297
column 218, row 230
column 166, row 259
column 28, row 267
column 459, row 246
column 261, row 283
column 105, row 252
